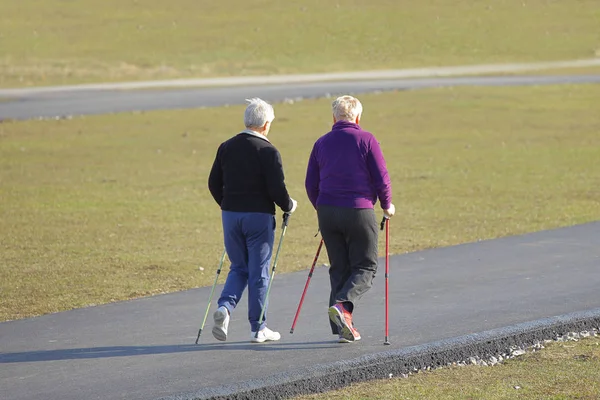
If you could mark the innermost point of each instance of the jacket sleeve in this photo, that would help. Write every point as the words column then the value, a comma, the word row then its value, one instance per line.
column 313, row 178
column 215, row 179
column 379, row 174
column 275, row 179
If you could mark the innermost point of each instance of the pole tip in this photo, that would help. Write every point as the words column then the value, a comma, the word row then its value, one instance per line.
column 387, row 343
column 291, row 331
column 199, row 333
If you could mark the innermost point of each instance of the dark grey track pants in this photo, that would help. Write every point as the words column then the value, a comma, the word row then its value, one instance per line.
column 350, row 236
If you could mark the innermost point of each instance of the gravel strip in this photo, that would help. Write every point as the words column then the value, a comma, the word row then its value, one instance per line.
column 485, row 348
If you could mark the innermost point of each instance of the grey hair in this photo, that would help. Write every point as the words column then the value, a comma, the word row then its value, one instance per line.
column 346, row 108
column 258, row 112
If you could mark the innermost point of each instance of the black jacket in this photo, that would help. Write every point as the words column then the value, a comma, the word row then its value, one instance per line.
column 247, row 176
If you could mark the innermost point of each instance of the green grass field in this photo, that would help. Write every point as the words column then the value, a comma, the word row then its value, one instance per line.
column 562, row 371
column 47, row 42
column 104, row 208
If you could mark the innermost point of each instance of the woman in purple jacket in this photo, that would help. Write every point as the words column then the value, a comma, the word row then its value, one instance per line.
column 346, row 175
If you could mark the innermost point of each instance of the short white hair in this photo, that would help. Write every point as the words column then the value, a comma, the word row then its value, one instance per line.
column 346, row 108
column 257, row 113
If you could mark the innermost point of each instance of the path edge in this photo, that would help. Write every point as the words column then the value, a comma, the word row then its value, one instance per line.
column 262, row 80
column 331, row 376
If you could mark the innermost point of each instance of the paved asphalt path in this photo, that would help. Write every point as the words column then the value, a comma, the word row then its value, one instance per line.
column 77, row 102
column 143, row 349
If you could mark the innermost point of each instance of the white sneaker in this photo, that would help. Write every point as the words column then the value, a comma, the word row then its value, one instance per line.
column 265, row 335
column 221, row 318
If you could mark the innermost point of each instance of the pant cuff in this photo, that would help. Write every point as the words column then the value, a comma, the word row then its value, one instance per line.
column 255, row 326
column 347, row 304
column 228, row 306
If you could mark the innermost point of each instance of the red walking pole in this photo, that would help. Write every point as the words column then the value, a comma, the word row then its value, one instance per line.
column 306, row 285
column 386, row 222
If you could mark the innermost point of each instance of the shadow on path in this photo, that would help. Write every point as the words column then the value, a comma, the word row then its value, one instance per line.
column 128, row 351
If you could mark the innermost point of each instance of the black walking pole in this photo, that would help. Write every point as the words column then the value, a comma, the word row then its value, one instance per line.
column 211, row 294
column 286, row 217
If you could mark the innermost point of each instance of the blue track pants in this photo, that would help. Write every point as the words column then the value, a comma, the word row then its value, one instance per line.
column 249, row 241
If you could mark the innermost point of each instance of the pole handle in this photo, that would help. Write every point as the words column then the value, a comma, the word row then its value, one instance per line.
column 286, row 218
column 382, row 225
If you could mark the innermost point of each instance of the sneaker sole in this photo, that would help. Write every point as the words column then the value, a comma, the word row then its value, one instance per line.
column 217, row 330
column 256, row 340
column 337, row 318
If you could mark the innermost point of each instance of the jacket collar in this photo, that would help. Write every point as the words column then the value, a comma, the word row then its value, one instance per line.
column 251, row 132
column 345, row 124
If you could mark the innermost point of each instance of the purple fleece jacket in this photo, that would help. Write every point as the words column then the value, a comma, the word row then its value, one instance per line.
column 347, row 169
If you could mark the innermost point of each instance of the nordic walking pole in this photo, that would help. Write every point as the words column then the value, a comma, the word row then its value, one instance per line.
column 211, row 294
column 286, row 217
column 386, row 222
column 306, row 286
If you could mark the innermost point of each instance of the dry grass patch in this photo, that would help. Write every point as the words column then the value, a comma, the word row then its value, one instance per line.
column 561, row 371
column 48, row 42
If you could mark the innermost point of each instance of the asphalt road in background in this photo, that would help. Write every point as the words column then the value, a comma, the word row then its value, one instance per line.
column 31, row 104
